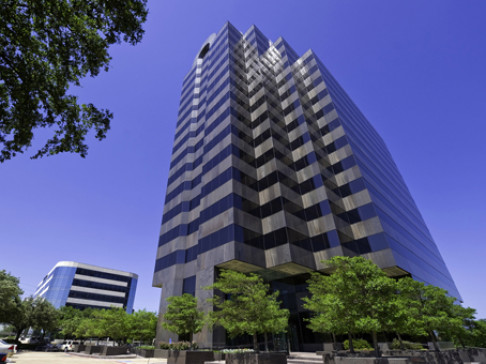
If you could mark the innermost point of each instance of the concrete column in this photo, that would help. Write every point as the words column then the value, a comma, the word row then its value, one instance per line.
column 171, row 286
column 208, row 337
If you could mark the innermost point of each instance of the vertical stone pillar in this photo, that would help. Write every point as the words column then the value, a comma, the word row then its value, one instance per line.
column 171, row 286
column 208, row 337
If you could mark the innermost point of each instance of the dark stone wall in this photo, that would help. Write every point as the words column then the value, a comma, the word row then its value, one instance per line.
column 457, row 356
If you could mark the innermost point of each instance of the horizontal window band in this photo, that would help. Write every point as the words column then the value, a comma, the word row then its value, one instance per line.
column 98, row 285
column 81, row 302
column 239, row 234
column 100, row 280
column 99, row 274
column 96, row 297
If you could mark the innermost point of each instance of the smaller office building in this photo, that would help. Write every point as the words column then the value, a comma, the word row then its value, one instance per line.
column 83, row 285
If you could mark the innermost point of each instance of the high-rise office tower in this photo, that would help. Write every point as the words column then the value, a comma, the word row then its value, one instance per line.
column 273, row 170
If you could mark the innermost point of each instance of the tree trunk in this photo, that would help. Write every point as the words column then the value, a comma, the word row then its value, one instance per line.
column 334, row 342
column 434, row 340
column 375, row 344
column 17, row 335
column 462, row 343
column 266, row 341
column 401, row 341
column 255, row 342
column 350, row 340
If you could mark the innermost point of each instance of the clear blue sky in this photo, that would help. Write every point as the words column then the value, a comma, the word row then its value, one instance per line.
column 417, row 70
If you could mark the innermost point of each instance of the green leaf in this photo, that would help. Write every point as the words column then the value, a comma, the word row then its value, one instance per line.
column 46, row 47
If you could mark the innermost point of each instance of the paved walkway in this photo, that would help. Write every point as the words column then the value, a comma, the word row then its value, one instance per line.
column 36, row 357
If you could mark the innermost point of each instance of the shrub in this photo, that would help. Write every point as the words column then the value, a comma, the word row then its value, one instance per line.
column 147, row 347
column 181, row 345
column 407, row 345
column 236, row 351
column 358, row 344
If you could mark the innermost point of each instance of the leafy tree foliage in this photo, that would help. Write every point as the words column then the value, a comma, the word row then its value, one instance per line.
column 47, row 46
column 115, row 323
column 428, row 309
column 37, row 313
column 461, row 324
column 9, row 296
column 183, row 317
column 69, row 319
column 355, row 298
column 477, row 336
column 88, row 324
column 406, row 309
column 143, row 325
column 44, row 316
column 21, row 319
column 249, row 307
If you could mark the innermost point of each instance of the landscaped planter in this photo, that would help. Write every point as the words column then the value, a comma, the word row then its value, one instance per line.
column 146, row 353
column 114, row 350
column 408, row 356
column 189, row 356
column 346, row 357
column 218, row 355
column 79, row 348
column 356, row 354
column 93, row 349
column 257, row 358
column 331, row 347
column 161, row 353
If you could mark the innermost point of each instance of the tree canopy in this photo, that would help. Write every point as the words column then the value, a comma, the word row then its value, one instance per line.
column 183, row 317
column 44, row 317
column 428, row 309
column 115, row 323
column 10, row 293
column 355, row 298
column 46, row 47
column 358, row 297
column 21, row 319
column 249, row 307
column 143, row 325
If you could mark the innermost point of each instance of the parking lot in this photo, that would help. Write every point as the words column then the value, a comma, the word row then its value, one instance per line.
column 34, row 357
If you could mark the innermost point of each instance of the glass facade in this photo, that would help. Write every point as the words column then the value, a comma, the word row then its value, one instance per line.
column 273, row 170
column 82, row 285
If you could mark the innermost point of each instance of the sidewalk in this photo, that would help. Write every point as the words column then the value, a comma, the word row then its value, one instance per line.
column 36, row 357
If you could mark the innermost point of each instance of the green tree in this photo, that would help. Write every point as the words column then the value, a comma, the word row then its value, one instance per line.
column 114, row 323
column 22, row 316
column 429, row 309
column 45, row 317
column 69, row 319
column 143, row 325
column 355, row 298
column 183, row 317
column 249, row 307
column 89, row 324
column 460, row 326
column 406, row 313
column 10, row 293
column 327, row 310
column 478, row 334
column 47, row 46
